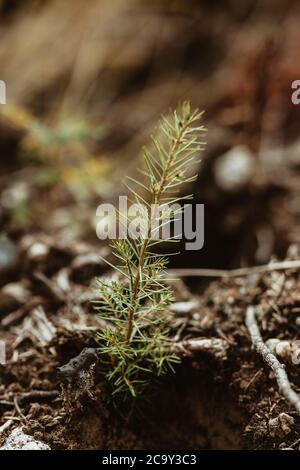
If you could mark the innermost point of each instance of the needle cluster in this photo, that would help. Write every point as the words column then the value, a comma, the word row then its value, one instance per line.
column 134, row 347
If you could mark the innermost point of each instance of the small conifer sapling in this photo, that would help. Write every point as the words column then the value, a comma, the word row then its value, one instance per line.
column 134, row 348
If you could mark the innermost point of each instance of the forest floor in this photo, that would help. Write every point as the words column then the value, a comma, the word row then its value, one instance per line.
column 218, row 399
column 238, row 64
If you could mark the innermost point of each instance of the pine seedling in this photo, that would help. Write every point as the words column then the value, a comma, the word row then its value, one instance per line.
column 134, row 348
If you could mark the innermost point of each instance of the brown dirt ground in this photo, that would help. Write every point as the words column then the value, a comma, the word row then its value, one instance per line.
column 210, row 403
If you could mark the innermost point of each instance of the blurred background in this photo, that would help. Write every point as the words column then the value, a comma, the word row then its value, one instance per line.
column 86, row 82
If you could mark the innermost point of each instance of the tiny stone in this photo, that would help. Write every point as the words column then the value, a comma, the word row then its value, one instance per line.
column 38, row 250
column 281, row 426
column 18, row 440
column 184, row 307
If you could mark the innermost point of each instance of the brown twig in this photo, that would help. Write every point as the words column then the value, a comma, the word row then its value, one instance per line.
column 216, row 347
column 252, row 380
column 206, row 272
column 38, row 395
column 6, row 403
column 6, row 426
column 18, row 410
column 279, row 370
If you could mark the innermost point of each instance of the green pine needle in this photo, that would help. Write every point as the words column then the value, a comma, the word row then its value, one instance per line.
column 134, row 348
